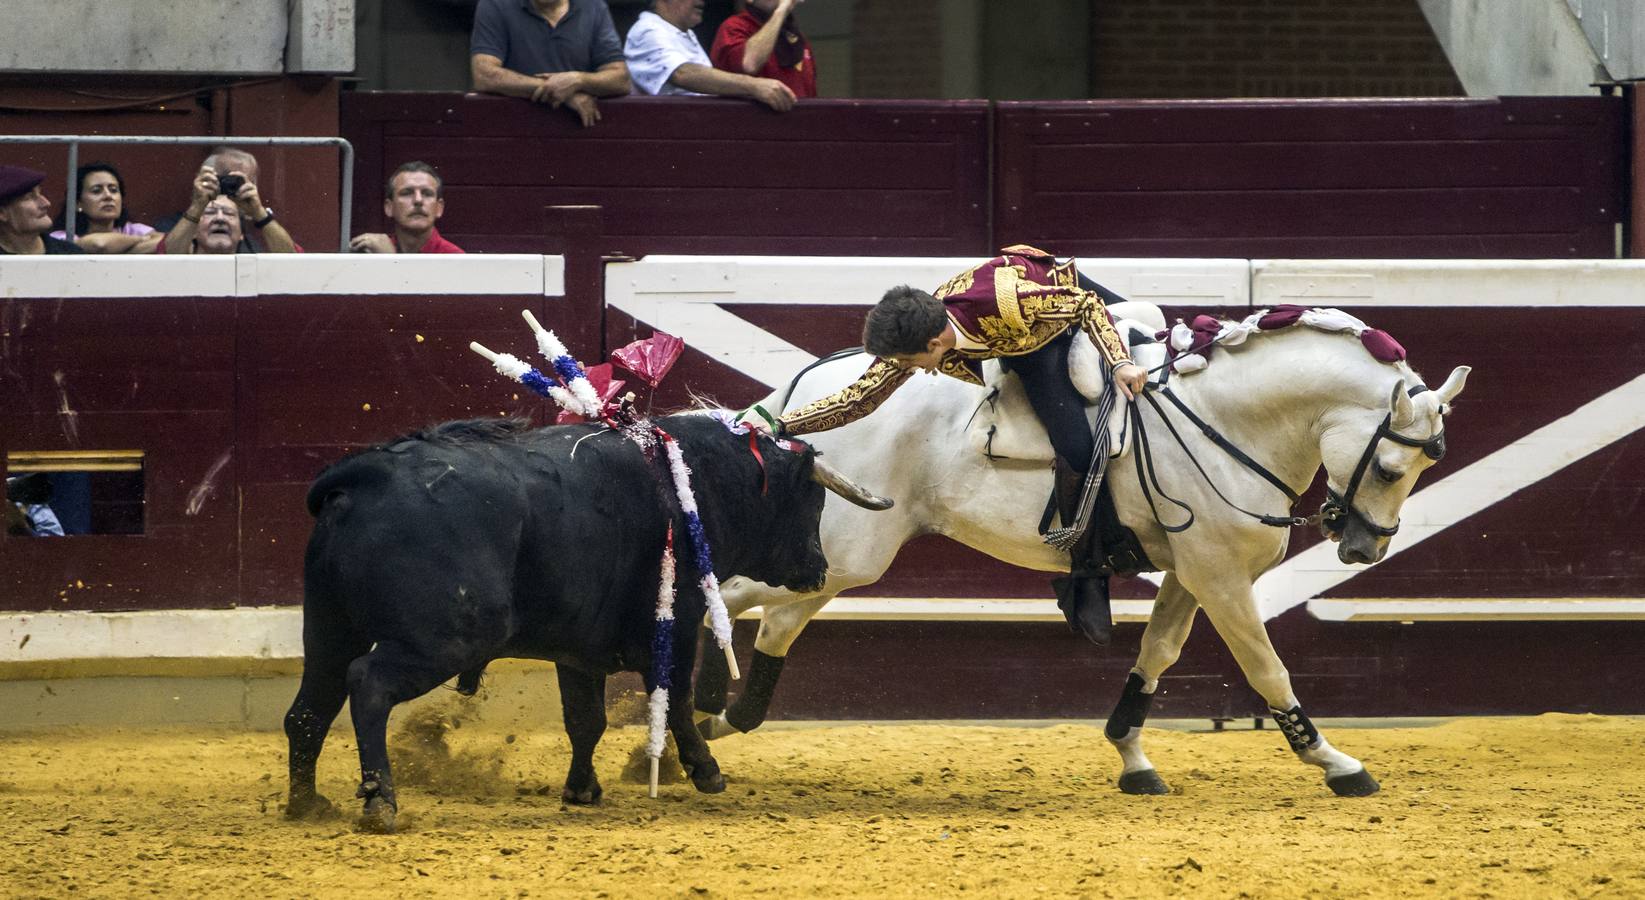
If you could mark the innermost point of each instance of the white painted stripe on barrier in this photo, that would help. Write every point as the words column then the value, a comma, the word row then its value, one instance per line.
column 65, row 277
column 1611, row 417
column 433, row 274
column 1445, row 609
column 1448, row 282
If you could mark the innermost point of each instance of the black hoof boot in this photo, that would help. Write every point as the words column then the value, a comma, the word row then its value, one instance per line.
column 1083, row 600
column 1354, row 784
column 1145, row 782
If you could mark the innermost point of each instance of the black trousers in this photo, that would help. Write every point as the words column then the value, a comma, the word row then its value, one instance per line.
column 1061, row 408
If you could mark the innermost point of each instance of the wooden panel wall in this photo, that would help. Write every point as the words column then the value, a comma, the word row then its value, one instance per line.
column 680, row 175
column 1505, row 178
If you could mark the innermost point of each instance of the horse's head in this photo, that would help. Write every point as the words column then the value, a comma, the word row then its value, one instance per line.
column 1372, row 461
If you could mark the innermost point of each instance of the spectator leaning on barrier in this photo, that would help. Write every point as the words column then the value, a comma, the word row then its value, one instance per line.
column 179, row 230
column 763, row 39
column 559, row 52
column 219, row 214
column 102, row 224
column 25, row 215
column 664, row 57
column 414, row 200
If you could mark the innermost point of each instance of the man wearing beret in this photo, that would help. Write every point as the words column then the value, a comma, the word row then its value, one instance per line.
column 25, row 215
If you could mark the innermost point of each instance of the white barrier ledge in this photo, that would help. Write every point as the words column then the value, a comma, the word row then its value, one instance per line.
column 61, row 277
column 263, row 274
column 1448, row 282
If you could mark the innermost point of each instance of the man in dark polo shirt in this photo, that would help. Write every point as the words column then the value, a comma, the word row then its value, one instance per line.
column 559, row 52
column 25, row 215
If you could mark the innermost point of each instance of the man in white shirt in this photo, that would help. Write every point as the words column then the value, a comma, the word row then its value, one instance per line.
column 664, row 57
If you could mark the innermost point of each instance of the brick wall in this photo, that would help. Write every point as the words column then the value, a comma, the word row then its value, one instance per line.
column 1266, row 48
column 897, row 49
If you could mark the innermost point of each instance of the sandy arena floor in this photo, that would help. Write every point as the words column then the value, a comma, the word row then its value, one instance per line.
column 1543, row 807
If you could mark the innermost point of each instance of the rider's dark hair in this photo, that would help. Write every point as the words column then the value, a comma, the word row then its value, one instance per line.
column 904, row 321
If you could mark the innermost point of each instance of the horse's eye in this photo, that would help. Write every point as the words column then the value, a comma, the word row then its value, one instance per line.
column 1384, row 474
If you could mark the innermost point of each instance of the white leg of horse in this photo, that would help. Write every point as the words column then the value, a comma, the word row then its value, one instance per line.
column 1236, row 619
column 779, row 626
column 1168, row 627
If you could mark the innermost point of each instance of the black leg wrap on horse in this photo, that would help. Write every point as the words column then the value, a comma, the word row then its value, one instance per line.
column 1131, row 711
column 748, row 713
column 1299, row 730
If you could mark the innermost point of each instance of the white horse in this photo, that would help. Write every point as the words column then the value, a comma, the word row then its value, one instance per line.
column 1292, row 400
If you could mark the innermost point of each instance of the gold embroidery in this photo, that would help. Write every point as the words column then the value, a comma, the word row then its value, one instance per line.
column 953, row 365
column 959, row 284
column 1023, row 250
column 850, row 403
column 1066, row 275
column 1005, row 299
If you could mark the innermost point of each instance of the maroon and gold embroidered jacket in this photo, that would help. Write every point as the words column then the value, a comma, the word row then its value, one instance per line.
column 1010, row 305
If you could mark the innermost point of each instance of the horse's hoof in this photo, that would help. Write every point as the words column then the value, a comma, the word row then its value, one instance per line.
column 588, row 796
column 378, row 817
column 1145, row 781
column 1354, row 784
column 311, row 806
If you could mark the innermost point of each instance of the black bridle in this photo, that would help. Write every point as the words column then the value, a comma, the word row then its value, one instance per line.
column 1339, row 509
column 1334, row 513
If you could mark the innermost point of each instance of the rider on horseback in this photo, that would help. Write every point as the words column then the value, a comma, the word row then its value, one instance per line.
column 1020, row 307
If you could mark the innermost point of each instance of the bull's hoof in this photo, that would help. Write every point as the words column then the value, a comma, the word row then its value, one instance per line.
column 588, row 795
column 707, row 779
column 310, row 806
column 1354, row 784
column 1143, row 782
column 378, row 817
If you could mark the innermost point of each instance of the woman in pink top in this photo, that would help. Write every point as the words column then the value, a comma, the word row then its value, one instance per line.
column 101, row 222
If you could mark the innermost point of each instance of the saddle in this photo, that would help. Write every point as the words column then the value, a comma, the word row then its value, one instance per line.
column 1006, row 428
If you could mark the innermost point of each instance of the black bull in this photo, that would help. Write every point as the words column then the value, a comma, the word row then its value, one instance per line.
column 436, row 553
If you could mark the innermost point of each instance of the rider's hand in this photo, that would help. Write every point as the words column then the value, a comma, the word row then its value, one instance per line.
column 1131, row 378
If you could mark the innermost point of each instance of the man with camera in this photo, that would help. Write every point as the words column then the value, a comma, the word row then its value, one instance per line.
column 225, row 188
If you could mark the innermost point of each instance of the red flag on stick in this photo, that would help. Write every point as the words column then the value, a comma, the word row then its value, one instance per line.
column 651, row 358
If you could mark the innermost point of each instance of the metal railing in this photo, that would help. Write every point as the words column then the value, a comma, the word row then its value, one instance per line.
column 74, row 141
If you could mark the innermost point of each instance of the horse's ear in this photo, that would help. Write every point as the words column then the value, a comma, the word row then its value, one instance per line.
column 1454, row 384
column 1401, row 410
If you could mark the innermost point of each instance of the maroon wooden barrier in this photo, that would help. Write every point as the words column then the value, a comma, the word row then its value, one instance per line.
column 1513, row 177
column 678, row 175
column 238, row 403
column 148, row 374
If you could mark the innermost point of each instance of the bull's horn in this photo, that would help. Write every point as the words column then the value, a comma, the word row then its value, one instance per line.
column 830, row 477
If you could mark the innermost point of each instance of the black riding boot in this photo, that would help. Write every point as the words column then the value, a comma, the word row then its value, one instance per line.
column 1083, row 594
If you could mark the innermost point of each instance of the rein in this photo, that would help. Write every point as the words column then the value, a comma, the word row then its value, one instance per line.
column 1333, row 515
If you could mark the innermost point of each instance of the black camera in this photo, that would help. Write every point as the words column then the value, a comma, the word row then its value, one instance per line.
column 229, row 185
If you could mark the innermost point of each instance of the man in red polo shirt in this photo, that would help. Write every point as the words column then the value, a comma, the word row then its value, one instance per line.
column 764, row 41
column 414, row 200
